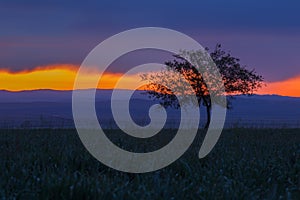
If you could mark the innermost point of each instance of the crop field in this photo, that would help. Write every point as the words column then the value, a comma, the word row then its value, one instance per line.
column 245, row 164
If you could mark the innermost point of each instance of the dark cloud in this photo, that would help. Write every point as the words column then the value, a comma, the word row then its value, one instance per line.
column 265, row 34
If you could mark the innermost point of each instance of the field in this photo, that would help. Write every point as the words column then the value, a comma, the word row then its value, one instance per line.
column 245, row 164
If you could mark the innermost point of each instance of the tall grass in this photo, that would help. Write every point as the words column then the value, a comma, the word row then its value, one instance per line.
column 245, row 164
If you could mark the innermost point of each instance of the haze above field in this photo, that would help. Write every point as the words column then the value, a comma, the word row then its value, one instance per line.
column 55, row 108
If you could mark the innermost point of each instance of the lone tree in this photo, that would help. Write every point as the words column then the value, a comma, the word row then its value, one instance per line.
column 235, row 77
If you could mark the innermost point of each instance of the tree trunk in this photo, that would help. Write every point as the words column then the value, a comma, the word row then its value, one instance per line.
column 208, row 114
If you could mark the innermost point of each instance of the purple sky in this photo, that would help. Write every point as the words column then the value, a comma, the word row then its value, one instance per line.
column 265, row 35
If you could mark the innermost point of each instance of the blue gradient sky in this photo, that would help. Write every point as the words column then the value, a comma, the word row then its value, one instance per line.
column 264, row 34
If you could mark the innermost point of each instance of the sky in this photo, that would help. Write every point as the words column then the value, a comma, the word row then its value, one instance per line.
column 42, row 43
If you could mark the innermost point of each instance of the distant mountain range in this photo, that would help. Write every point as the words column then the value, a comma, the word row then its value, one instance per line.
column 51, row 108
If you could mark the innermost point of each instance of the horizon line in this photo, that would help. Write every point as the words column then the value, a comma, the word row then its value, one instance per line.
column 123, row 89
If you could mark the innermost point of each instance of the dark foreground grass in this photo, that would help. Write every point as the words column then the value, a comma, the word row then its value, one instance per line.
column 245, row 164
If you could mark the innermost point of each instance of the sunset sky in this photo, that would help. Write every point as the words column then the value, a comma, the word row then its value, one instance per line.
column 43, row 43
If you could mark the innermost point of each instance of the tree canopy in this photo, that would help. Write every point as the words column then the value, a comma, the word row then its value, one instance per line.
column 236, row 79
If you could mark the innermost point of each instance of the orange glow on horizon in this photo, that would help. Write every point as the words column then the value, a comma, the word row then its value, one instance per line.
column 61, row 77
column 57, row 77
column 289, row 87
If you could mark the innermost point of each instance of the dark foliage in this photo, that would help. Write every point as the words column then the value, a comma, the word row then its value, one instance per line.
column 237, row 79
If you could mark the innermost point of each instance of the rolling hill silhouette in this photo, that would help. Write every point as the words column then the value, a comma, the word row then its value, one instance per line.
column 51, row 108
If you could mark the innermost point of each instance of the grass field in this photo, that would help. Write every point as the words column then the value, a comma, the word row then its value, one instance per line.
column 245, row 164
